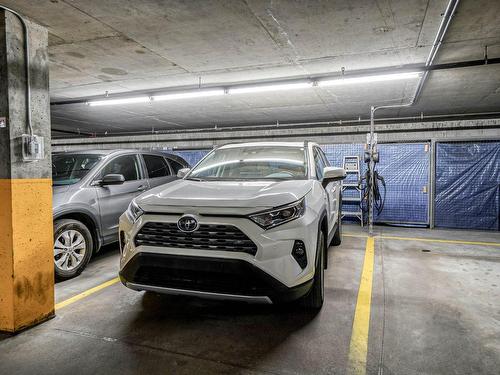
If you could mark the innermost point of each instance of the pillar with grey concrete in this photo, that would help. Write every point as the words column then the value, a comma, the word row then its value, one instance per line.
column 26, row 239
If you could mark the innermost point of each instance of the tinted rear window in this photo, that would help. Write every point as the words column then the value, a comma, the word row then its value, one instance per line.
column 156, row 166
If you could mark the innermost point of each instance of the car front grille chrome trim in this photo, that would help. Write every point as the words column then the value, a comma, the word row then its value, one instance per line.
column 206, row 237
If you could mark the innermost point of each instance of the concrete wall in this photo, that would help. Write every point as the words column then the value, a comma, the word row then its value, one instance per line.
column 332, row 133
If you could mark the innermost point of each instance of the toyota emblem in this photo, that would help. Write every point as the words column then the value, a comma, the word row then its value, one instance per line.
column 187, row 223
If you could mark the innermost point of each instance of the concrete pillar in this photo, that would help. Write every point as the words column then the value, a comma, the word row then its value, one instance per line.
column 26, row 239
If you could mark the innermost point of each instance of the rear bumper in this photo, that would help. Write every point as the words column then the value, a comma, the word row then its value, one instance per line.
column 207, row 277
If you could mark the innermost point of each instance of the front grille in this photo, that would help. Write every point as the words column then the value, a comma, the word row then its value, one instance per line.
column 207, row 237
column 205, row 274
column 217, row 281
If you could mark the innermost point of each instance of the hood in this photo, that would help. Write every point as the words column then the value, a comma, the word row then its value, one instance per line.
column 254, row 195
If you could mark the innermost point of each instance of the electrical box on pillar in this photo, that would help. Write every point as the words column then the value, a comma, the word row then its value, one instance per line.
column 33, row 149
column 32, row 145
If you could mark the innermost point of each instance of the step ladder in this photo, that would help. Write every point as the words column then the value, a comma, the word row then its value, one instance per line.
column 351, row 189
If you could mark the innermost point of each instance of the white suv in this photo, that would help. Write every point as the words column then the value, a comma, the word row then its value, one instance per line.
column 249, row 222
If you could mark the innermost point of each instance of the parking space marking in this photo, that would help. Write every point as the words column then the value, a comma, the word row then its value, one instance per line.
column 86, row 293
column 358, row 348
column 458, row 242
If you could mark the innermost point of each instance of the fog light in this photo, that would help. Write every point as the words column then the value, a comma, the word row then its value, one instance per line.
column 299, row 253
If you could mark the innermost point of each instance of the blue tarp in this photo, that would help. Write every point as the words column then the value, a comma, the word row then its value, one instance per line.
column 191, row 156
column 405, row 168
column 467, row 185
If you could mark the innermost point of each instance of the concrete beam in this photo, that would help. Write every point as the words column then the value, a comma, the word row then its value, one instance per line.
column 335, row 133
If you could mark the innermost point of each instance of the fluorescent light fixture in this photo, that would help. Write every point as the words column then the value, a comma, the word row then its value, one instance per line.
column 265, row 88
column 256, row 88
column 368, row 79
column 157, row 98
column 188, row 95
column 137, row 99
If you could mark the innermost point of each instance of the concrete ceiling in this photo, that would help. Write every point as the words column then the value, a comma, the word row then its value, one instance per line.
column 125, row 45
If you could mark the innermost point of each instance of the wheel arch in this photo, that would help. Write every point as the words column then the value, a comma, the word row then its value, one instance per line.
column 88, row 220
column 323, row 226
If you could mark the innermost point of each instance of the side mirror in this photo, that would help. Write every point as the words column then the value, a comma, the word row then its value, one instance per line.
column 182, row 172
column 331, row 174
column 112, row 179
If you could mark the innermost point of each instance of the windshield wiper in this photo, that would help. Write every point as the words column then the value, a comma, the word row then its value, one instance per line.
column 195, row 179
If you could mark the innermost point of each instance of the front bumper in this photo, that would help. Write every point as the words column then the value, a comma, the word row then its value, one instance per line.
column 206, row 277
column 271, row 274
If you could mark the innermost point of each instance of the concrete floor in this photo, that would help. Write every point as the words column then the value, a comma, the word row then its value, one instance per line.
column 435, row 310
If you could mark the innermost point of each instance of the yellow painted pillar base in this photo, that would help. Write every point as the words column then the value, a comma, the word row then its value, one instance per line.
column 26, row 253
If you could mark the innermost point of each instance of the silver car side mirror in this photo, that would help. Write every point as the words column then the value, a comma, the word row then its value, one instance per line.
column 331, row 174
column 112, row 179
column 182, row 172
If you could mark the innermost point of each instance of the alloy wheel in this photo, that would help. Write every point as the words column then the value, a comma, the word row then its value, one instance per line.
column 69, row 249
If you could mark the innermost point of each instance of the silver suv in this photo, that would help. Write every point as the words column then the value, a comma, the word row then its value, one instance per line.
column 251, row 222
column 91, row 189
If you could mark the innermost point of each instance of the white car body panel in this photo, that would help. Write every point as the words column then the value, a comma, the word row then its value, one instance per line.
column 246, row 194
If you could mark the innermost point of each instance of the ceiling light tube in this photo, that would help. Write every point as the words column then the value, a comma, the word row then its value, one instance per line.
column 137, row 99
column 265, row 88
column 188, row 95
column 368, row 79
column 257, row 89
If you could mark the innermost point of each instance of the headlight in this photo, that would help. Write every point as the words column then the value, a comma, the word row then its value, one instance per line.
column 133, row 212
column 279, row 215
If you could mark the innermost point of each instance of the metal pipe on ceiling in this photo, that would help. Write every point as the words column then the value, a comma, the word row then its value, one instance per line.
column 438, row 40
column 26, row 65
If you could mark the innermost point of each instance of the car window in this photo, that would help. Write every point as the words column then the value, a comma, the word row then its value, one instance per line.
column 156, row 165
column 68, row 169
column 326, row 162
column 252, row 163
column 126, row 165
column 318, row 163
column 175, row 165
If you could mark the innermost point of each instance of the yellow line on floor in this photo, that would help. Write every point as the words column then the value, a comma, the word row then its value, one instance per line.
column 87, row 293
column 358, row 348
column 459, row 242
column 441, row 241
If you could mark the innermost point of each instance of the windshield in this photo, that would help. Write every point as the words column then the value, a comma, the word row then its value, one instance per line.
column 68, row 169
column 252, row 163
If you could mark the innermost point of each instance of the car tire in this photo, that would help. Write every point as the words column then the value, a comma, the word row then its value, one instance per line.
column 73, row 247
column 314, row 299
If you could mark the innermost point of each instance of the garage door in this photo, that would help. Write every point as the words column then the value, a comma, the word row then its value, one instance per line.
column 405, row 168
column 467, row 185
